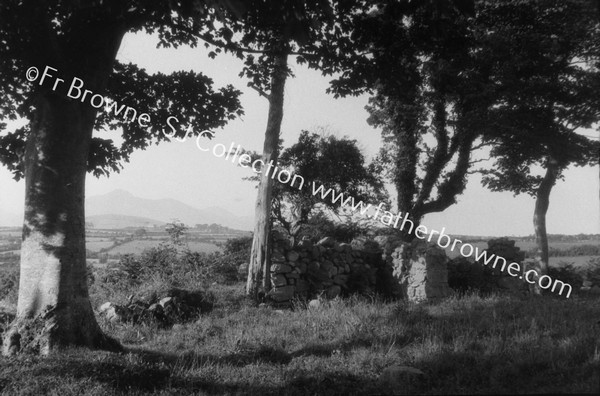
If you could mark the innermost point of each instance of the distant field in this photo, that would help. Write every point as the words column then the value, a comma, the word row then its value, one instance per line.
column 528, row 245
column 525, row 246
column 576, row 261
column 10, row 233
column 137, row 247
column 96, row 246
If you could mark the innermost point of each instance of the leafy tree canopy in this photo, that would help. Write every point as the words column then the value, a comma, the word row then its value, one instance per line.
column 322, row 160
column 70, row 38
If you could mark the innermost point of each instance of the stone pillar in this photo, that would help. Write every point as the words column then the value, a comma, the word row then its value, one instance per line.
column 421, row 271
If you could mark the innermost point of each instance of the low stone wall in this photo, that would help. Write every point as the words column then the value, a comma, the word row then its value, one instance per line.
column 415, row 271
column 325, row 268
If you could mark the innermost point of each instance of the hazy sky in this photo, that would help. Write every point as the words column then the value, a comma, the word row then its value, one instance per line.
column 181, row 171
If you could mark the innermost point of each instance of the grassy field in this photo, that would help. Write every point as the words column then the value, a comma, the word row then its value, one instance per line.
column 577, row 261
column 469, row 345
column 97, row 244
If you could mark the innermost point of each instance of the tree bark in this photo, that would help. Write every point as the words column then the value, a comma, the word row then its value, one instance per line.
column 542, row 202
column 406, row 166
column 258, row 271
column 54, row 310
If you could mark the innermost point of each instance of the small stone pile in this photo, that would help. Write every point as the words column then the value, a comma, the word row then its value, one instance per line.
column 166, row 309
column 326, row 268
column 420, row 268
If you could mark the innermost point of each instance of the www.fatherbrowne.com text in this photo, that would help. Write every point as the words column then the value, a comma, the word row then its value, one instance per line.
column 402, row 222
column 76, row 91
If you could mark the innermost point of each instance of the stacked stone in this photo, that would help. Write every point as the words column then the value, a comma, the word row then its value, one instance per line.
column 421, row 271
column 311, row 269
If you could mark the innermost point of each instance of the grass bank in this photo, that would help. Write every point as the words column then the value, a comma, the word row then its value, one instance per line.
column 464, row 345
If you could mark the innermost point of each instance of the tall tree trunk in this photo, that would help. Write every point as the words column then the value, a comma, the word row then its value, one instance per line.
column 406, row 174
column 54, row 309
column 542, row 203
column 258, row 270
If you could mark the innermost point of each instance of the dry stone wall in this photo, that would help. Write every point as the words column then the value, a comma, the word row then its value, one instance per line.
column 415, row 271
column 325, row 268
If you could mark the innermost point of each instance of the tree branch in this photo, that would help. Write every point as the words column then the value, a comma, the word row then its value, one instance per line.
column 454, row 184
column 440, row 156
column 260, row 91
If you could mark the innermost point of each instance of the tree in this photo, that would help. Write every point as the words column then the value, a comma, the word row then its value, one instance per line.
column 547, row 91
column 74, row 46
column 322, row 160
column 282, row 29
column 176, row 231
column 140, row 233
column 419, row 61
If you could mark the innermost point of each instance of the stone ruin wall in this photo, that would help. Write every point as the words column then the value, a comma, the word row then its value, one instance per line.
column 415, row 271
column 326, row 268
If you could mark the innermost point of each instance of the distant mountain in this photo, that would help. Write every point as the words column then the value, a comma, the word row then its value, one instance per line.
column 121, row 202
column 112, row 221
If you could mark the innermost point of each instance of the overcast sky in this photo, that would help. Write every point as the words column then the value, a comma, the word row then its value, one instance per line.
column 181, row 171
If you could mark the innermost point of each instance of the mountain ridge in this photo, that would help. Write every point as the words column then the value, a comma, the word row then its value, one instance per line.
column 124, row 203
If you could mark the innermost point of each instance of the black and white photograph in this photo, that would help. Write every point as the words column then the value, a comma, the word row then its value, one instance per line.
column 299, row 197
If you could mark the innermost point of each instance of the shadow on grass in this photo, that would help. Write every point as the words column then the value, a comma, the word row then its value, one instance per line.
column 298, row 383
column 329, row 348
column 264, row 354
column 498, row 346
column 35, row 375
column 77, row 373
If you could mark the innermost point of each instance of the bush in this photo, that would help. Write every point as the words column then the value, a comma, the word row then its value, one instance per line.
column 9, row 283
column 169, row 266
column 319, row 226
column 576, row 250
column 238, row 246
column 593, row 271
column 465, row 276
column 236, row 251
column 568, row 274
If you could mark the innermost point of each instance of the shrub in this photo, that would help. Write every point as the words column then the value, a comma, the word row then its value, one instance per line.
column 465, row 276
column 236, row 251
column 576, row 250
column 320, row 226
column 238, row 246
column 593, row 271
column 568, row 274
column 9, row 283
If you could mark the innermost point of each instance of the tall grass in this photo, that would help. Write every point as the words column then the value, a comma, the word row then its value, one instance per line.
column 469, row 344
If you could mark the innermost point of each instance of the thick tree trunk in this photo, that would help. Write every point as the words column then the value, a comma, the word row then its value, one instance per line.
column 258, row 271
column 406, row 173
column 54, row 309
column 542, row 203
